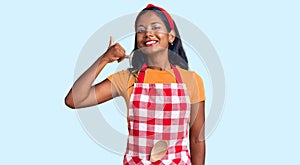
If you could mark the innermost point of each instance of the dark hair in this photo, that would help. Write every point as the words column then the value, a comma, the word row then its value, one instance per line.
column 176, row 53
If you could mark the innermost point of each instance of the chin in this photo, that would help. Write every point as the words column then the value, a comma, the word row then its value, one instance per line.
column 152, row 50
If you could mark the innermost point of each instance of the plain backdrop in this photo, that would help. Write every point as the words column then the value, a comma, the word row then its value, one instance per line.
column 257, row 43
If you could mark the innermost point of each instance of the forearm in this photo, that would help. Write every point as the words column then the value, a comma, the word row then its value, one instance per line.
column 197, row 152
column 197, row 133
column 82, row 86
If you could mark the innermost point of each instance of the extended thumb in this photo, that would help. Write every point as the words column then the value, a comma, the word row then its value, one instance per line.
column 111, row 41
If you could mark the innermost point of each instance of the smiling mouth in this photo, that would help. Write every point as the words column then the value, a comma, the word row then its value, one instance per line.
column 151, row 43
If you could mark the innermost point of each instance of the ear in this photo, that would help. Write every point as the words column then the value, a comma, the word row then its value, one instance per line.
column 172, row 36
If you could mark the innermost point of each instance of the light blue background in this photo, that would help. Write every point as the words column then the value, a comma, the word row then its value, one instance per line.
column 257, row 42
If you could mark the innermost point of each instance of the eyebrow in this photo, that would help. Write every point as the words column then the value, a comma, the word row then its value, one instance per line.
column 151, row 24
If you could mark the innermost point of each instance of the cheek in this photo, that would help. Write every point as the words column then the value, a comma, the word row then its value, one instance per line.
column 139, row 40
column 163, row 38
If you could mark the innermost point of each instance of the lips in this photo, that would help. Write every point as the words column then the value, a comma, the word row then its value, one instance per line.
column 150, row 42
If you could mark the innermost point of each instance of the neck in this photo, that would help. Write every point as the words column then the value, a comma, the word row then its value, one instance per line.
column 159, row 60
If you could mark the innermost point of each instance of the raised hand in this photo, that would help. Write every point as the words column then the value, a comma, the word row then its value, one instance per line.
column 114, row 52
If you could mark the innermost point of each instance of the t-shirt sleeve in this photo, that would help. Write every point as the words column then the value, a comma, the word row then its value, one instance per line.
column 198, row 89
column 121, row 82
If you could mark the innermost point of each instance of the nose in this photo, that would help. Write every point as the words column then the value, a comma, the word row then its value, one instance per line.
column 148, row 32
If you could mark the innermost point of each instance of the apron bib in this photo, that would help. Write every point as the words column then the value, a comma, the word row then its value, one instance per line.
column 158, row 112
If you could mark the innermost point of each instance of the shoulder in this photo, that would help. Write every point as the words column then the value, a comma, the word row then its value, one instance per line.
column 123, row 74
column 188, row 75
column 191, row 79
column 194, row 84
column 122, row 78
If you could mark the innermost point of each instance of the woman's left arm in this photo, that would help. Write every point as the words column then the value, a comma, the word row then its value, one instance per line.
column 197, row 133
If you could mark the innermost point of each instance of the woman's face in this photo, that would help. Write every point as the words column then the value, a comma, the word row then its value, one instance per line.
column 152, row 34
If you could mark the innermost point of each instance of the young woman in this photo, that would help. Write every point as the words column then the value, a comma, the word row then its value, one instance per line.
column 165, row 100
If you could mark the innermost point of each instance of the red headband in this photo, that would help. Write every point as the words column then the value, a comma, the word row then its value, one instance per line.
column 168, row 16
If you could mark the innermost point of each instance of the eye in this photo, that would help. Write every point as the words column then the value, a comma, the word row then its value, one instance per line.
column 140, row 30
column 156, row 28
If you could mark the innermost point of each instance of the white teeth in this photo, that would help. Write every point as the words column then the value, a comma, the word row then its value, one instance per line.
column 150, row 42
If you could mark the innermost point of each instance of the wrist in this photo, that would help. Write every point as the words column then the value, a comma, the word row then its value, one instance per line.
column 104, row 60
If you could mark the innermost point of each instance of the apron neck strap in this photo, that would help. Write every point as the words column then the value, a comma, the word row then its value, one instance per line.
column 141, row 75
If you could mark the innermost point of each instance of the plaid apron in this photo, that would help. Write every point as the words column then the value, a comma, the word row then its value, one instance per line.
column 158, row 112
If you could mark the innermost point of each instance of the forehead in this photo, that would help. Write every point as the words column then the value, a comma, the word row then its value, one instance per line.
column 149, row 17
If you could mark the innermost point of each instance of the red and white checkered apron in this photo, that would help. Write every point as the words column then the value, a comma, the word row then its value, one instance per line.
column 158, row 112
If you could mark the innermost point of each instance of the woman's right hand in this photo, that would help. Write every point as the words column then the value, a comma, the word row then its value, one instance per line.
column 115, row 52
column 83, row 93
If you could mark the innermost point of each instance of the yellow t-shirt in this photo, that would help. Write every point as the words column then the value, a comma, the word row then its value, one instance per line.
column 123, row 82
